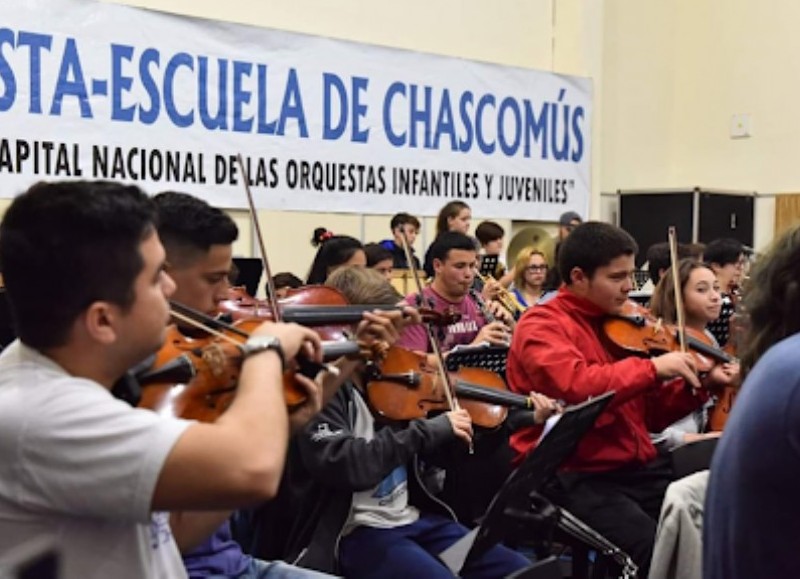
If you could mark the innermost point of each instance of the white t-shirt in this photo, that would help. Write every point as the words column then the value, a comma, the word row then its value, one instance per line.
column 385, row 506
column 81, row 465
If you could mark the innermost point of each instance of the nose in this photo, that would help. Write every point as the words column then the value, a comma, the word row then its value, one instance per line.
column 167, row 284
column 221, row 291
column 627, row 285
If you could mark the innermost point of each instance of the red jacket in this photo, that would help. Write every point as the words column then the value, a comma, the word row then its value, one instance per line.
column 557, row 351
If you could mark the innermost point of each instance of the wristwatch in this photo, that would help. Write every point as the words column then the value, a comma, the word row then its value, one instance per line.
column 256, row 344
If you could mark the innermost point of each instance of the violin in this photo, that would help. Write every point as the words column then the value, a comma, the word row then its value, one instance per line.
column 635, row 332
column 719, row 413
column 196, row 377
column 322, row 307
column 404, row 387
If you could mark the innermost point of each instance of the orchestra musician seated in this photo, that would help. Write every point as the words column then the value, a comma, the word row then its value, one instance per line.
column 379, row 516
column 454, row 259
column 85, row 274
column 614, row 482
column 198, row 241
column 702, row 302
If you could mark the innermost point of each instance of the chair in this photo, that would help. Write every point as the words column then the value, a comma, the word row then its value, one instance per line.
column 693, row 457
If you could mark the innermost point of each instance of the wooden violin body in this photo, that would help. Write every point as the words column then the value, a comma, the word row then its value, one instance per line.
column 635, row 332
column 405, row 388
column 196, row 378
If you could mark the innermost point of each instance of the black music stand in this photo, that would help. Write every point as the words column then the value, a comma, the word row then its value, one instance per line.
column 491, row 358
column 488, row 265
column 515, row 500
column 250, row 270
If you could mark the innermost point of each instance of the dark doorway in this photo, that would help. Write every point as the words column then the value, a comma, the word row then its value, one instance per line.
column 648, row 216
column 726, row 216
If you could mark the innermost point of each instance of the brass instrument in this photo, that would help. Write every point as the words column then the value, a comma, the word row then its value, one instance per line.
column 507, row 299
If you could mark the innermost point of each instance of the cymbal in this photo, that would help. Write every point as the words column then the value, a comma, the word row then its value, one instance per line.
column 534, row 237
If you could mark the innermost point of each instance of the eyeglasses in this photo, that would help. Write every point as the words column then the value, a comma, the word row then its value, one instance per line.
column 537, row 268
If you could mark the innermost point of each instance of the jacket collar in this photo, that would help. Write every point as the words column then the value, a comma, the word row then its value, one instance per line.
column 572, row 301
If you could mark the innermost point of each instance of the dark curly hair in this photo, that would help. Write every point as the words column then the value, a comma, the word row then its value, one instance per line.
column 772, row 299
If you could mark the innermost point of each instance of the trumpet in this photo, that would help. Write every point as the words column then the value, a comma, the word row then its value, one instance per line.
column 506, row 298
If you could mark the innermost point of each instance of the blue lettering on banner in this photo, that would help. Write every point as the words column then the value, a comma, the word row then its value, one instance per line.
column 35, row 43
column 146, row 85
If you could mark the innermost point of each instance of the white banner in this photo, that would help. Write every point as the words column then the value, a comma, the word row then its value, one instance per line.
column 100, row 91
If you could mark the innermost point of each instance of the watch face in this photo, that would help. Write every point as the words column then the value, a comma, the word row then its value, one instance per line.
column 260, row 343
column 263, row 342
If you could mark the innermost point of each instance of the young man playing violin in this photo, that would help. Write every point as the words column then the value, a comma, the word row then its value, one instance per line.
column 455, row 261
column 377, row 514
column 75, row 462
column 614, row 481
column 198, row 240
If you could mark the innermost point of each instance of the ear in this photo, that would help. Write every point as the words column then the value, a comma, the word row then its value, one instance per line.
column 577, row 276
column 100, row 320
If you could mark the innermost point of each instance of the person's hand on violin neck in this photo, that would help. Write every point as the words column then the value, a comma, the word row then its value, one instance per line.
column 461, row 423
column 722, row 375
column 379, row 330
column 495, row 333
column 544, row 407
column 299, row 416
column 677, row 364
column 295, row 339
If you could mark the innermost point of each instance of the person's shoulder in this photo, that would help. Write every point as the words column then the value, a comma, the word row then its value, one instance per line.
column 781, row 359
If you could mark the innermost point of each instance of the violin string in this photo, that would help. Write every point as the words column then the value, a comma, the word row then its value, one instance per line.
column 208, row 321
column 204, row 327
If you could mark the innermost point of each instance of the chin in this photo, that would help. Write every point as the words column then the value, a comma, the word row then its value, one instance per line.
column 616, row 308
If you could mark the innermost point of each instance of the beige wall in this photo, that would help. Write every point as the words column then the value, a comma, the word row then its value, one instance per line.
column 675, row 73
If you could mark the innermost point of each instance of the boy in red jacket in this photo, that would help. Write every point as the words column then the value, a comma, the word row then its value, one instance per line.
column 614, row 481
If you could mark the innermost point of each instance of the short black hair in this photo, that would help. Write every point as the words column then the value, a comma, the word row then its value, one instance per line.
column 592, row 245
column 189, row 226
column 448, row 241
column 723, row 251
column 376, row 253
column 658, row 258
column 66, row 245
column 404, row 219
column 488, row 231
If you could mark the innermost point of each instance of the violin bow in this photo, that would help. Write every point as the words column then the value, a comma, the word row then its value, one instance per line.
column 676, row 287
column 262, row 247
column 452, row 401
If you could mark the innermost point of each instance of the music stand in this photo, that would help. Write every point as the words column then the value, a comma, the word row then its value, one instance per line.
column 488, row 265
column 537, row 468
column 492, row 358
column 250, row 270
